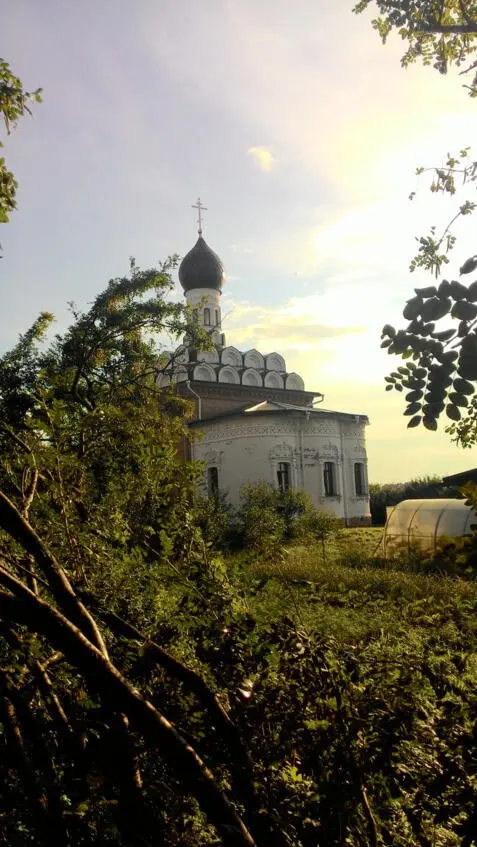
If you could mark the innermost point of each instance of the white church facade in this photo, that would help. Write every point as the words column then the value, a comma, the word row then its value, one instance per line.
column 254, row 420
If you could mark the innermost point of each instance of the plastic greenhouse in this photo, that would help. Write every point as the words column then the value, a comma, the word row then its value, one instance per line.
column 416, row 525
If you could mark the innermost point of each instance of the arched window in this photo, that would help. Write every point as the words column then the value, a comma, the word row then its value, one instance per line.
column 213, row 482
column 359, row 481
column 283, row 476
column 329, row 479
column 206, row 317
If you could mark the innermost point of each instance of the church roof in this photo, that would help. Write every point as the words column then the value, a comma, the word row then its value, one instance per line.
column 276, row 407
column 201, row 268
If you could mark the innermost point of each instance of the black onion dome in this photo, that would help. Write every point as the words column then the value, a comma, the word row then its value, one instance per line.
column 201, row 268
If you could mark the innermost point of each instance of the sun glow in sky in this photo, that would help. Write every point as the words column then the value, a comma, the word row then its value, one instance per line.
column 300, row 132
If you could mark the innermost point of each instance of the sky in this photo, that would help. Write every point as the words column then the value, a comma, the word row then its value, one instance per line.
column 301, row 134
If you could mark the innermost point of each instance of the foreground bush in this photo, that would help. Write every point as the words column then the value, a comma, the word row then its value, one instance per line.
column 152, row 695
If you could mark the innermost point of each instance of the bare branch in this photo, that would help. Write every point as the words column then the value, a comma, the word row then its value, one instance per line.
column 21, row 530
column 30, row 493
column 101, row 675
column 16, row 438
column 45, row 794
column 241, row 763
column 449, row 29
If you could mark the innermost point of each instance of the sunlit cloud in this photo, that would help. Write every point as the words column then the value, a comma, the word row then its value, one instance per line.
column 263, row 157
column 235, row 248
column 286, row 335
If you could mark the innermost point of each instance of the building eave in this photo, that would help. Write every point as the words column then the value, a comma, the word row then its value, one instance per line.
column 292, row 411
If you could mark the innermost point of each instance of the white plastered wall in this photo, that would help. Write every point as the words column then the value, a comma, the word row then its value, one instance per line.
column 247, row 450
column 205, row 298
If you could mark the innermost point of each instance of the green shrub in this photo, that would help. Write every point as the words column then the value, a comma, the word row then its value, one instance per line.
column 214, row 518
column 259, row 523
column 269, row 517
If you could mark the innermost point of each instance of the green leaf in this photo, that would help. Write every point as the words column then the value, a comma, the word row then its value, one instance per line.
column 453, row 412
column 457, row 290
column 433, row 410
column 463, row 386
column 472, row 292
column 464, row 311
column 412, row 396
column 458, row 399
column 412, row 409
column 430, row 423
column 430, row 291
column 439, row 381
column 469, row 345
column 447, row 358
column 444, row 289
column 412, row 309
column 427, row 329
column 445, row 335
column 468, row 367
column 435, row 308
column 414, row 422
column 435, row 395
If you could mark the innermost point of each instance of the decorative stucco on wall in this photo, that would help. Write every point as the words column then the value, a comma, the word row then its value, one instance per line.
column 247, row 447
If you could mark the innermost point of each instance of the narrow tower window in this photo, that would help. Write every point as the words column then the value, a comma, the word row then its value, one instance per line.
column 217, row 317
column 206, row 317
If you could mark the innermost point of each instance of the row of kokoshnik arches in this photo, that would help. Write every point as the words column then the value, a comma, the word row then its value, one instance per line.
column 232, row 366
column 248, row 376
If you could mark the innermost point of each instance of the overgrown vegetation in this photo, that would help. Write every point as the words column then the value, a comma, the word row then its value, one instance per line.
column 438, row 344
column 269, row 518
column 154, row 692
column 402, row 645
column 14, row 103
column 440, row 34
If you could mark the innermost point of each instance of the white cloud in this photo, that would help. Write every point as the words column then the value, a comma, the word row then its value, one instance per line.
column 236, row 249
column 263, row 157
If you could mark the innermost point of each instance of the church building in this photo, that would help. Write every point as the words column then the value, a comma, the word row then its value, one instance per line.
column 254, row 420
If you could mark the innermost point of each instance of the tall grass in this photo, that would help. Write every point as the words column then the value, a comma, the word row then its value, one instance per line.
column 353, row 595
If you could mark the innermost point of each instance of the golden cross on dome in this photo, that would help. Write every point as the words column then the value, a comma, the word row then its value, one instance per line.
column 200, row 209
